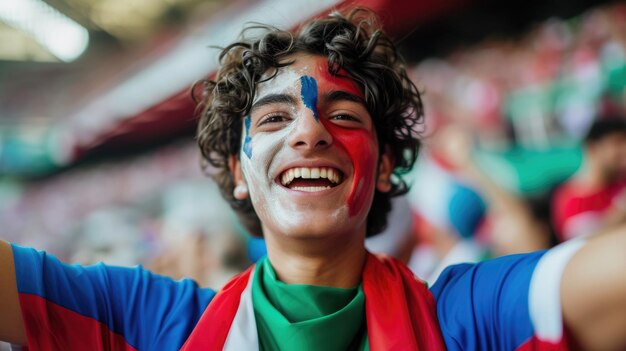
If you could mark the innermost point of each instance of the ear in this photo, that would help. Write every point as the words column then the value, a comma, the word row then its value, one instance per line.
column 385, row 168
column 241, row 187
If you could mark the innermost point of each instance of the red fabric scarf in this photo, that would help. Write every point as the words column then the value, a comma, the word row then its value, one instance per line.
column 400, row 311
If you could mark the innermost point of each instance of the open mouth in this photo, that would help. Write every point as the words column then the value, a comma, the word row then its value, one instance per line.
column 311, row 179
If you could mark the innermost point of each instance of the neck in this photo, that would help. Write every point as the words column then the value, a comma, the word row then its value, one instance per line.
column 318, row 261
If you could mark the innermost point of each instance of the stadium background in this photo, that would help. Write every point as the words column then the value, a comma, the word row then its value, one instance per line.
column 98, row 161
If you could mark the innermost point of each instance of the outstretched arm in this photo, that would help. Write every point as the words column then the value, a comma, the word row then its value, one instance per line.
column 11, row 325
column 593, row 293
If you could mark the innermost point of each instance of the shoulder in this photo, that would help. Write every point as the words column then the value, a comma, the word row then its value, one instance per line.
column 504, row 303
column 485, row 305
column 487, row 274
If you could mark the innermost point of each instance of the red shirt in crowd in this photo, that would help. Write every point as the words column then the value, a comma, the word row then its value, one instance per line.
column 578, row 212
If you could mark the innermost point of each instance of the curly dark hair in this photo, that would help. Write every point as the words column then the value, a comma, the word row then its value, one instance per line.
column 353, row 44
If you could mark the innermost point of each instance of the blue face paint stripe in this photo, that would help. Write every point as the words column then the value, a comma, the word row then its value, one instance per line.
column 308, row 91
column 247, row 141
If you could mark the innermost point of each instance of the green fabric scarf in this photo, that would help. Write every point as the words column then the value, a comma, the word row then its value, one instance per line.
column 306, row 317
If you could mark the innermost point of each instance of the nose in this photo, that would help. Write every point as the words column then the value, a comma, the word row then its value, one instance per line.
column 309, row 133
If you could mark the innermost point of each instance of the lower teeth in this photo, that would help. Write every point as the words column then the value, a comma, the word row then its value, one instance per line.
column 310, row 189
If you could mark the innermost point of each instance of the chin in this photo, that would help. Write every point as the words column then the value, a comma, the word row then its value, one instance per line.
column 314, row 224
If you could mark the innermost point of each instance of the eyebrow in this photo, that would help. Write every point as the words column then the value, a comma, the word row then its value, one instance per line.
column 273, row 99
column 340, row 95
column 333, row 96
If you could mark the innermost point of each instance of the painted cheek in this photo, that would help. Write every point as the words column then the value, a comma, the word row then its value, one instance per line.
column 362, row 150
column 247, row 141
column 357, row 143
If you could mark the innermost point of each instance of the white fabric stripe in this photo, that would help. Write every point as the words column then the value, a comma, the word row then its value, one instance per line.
column 544, row 296
column 243, row 334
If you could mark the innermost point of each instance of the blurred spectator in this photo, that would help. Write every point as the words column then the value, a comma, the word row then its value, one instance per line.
column 595, row 197
column 462, row 214
column 448, row 217
column 198, row 238
column 512, row 226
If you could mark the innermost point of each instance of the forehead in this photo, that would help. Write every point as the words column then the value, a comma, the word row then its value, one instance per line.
column 288, row 78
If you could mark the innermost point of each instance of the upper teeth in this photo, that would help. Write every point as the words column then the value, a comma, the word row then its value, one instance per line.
column 310, row 173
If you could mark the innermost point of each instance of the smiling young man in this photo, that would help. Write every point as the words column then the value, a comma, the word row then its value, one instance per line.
column 308, row 133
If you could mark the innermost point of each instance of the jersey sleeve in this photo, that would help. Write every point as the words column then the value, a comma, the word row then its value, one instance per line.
column 99, row 307
column 508, row 303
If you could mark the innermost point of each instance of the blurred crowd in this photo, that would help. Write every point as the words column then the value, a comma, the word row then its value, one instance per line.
column 551, row 106
column 524, row 147
column 534, row 90
column 158, row 210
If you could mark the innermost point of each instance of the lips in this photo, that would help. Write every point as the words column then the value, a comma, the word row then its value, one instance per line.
column 311, row 179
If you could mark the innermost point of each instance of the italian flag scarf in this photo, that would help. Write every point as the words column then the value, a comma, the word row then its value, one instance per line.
column 399, row 309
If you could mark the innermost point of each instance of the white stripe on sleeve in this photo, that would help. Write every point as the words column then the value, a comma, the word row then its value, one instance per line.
column 544, row 297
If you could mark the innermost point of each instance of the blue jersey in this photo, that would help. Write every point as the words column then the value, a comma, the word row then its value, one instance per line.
column 510, row 303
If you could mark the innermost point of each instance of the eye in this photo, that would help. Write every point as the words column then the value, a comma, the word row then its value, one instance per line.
column 272, row 118
column 345, row 117
column 346, row 120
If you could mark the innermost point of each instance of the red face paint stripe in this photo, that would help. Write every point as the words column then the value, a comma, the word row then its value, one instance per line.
column 359, row 144
column 64, row 329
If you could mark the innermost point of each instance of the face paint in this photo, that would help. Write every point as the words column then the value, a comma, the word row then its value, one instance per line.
column 287, row 79
column 350, row 146
column 358, row 143
column 247, row 141
column 308, row 92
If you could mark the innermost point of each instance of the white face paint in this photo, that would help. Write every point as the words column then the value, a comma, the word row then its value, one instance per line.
column 285, row 136
column 284, row 82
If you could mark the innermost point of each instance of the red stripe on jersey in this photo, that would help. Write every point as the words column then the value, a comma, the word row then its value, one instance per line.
column 53, row 327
